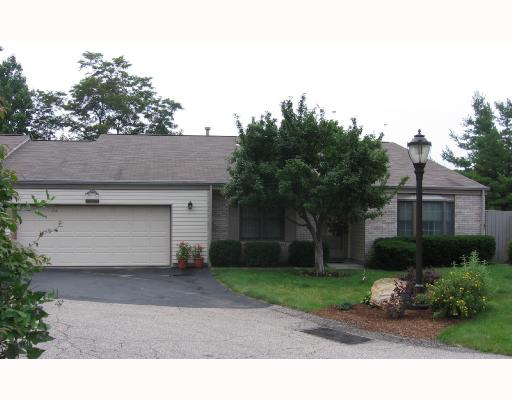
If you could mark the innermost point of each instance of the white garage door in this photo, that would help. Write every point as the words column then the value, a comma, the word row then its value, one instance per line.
column 101, row 235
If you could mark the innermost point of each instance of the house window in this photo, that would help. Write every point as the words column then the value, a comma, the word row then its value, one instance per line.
column 438, row 218
column 261, row 224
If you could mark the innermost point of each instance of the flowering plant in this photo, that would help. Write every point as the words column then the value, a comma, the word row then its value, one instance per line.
column 462, row 292
column 197, row 251
column 183, row 252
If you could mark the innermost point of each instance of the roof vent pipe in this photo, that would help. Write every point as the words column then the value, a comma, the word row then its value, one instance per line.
column 207, row 129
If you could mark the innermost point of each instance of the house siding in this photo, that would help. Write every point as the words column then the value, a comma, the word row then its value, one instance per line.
column 468, row 214
column 186, row 225
column 220, row 213
column 382, row 226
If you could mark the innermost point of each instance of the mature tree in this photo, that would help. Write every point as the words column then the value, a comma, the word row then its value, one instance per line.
column 16, row 103
column 111, row 100
column 48, row 117
column 487, row 141
column 326, row 173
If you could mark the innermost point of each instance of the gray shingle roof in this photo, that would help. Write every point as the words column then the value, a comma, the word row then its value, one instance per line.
column 10, row 142
column 173, row 159
column 130, row 158
column 436, row 176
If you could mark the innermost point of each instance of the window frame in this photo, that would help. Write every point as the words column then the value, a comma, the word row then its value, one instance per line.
column 262, row 221
column 448, row 227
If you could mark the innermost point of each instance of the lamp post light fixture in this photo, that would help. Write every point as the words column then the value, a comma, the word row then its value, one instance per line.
column 190, row 205
column 419, row 150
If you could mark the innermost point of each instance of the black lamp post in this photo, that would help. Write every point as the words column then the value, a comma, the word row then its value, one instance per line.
column 419, row 150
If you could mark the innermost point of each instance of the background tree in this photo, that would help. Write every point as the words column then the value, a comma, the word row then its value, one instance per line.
column 16, row 100
column 329, row 175
column 111, row 100
column 48, row 119
column 487, row 141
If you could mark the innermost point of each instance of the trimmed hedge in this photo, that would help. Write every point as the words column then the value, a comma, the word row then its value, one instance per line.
column 392, row 254
column 438, row 251
column 225, row 253
column 301, row 253
column 261, row 254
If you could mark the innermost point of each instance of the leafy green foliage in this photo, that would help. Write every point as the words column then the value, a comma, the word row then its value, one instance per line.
column 48, row 117
column 392, row 254
column 301, row 253
column 329, row 175
column 184, row 251
column 107, row 100
column 462, row 292
column 16, row 102
column 225, row 253
column 111, row 100
column 261, row 254
column 438, row 251
column 21, row 315
column 487, row 140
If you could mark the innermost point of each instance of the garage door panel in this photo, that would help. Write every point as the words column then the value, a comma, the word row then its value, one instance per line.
column 101, row 235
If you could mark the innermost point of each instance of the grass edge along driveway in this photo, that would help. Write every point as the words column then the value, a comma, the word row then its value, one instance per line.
column 490, row 331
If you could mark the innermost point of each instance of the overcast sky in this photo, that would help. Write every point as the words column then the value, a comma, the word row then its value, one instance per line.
column 403, row 81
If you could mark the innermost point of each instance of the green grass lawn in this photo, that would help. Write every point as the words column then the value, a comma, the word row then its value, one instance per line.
column 286, row 287
column 491, row 331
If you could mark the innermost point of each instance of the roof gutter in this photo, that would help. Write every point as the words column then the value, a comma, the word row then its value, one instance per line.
column 67, row 182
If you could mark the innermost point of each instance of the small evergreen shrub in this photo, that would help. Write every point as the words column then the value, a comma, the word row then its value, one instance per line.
column 301, row 253
column 261, row 254
column 438, row 251
column 225, row 253
column 392, row 254
column 462, row 292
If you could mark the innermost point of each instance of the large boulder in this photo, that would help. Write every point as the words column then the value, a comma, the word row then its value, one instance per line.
column 382, row 290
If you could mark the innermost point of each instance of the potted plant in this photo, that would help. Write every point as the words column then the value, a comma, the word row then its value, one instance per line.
column 183, row 254
column 197, row 254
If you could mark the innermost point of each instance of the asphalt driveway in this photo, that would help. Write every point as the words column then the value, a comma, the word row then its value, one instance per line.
column 150, row 313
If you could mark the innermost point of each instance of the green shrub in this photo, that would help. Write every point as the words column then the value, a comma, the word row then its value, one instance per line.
column 446, row 250
column 301, row 253
column 460, row 293
column 438, row 251
column 22, row 316
column 225, row 253
column 510, row 252
column 261, row 254
column 392, row 254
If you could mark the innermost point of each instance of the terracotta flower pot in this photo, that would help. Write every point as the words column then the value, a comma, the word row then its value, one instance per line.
column 182, row 264
column 199, row 262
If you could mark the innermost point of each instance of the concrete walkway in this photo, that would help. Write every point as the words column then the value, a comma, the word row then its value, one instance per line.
column 149, row 314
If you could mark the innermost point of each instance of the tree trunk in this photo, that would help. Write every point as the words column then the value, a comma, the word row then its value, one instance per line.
column 319, row 256
column 315, row 225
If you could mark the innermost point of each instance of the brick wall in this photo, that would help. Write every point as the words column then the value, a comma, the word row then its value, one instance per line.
column 468, row 214
column 220, row 221
column 383, row 226
column 302, row 233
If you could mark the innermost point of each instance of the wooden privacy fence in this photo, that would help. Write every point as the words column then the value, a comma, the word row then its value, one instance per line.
column 499, row 224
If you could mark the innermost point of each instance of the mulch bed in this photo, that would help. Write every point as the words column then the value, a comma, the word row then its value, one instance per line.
column 417, row 324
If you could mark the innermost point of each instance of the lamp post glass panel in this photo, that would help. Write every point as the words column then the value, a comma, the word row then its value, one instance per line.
column 419, row 150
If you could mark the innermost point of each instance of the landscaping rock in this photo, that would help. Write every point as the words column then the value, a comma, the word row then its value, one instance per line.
column 382, row 289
